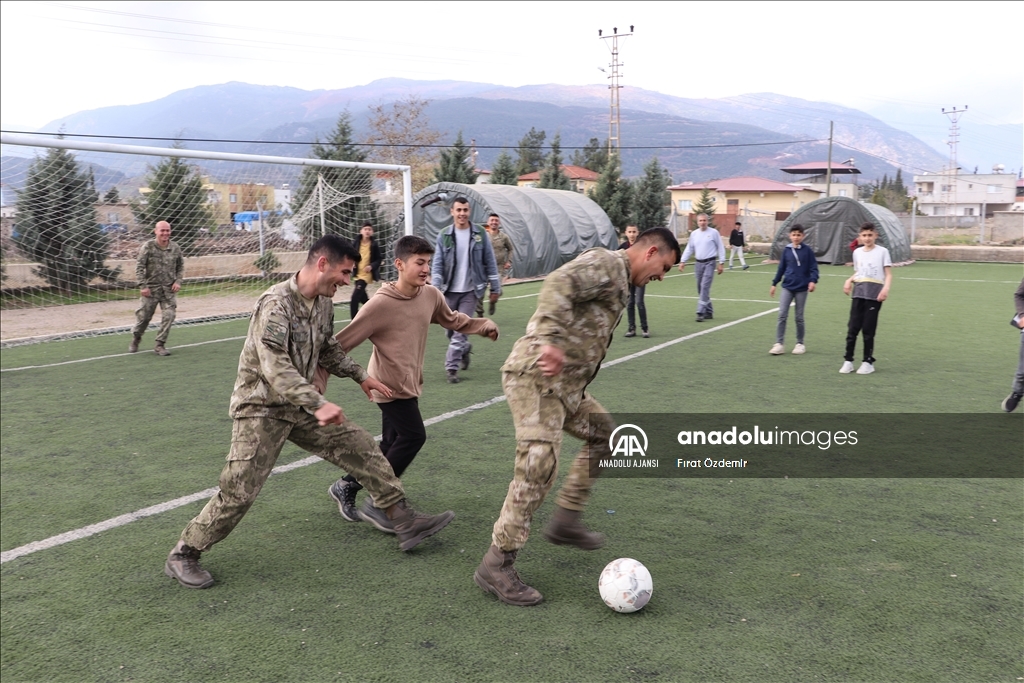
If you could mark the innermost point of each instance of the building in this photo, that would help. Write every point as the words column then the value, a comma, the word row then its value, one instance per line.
column 283, row 197
column 581, row 179
column 814, row 174
column 1018, row 202
column 965, row 194
column 227, row 199
column 117, row 217
column 482, row 177
column 744, row 196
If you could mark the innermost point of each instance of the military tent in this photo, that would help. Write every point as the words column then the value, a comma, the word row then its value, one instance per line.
column 547, row 227
column 831, row 223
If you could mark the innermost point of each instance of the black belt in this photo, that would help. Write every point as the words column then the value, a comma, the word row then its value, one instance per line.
column 705, row 260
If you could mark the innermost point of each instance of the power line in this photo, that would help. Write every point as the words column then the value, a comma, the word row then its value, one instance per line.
column 372, row 144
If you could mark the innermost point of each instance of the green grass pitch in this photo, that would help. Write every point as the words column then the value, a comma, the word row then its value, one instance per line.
column 754, row 579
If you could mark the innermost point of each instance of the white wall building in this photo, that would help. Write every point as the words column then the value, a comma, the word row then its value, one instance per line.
column 966, row 194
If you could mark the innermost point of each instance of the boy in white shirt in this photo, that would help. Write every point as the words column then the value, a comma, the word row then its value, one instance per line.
column 868, row 288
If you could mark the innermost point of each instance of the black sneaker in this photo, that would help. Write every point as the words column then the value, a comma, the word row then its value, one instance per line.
column 344, row 494
column 376, row 517
column 708, row 316
column 465, row 358
column 1011, row 402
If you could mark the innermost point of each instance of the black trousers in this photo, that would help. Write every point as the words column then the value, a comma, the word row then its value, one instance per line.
column 863, row 319
column 636, row 298
column 402, row 433
column 358, row 297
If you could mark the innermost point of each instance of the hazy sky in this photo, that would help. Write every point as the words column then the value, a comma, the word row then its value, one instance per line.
column 908, row 58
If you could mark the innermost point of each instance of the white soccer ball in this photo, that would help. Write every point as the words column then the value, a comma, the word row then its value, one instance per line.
column 625, row 585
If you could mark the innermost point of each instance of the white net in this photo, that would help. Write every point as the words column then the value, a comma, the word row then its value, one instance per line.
column 75, row 218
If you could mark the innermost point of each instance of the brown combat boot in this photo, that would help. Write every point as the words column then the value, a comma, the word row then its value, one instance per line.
column 497, row 574
column 183, row 564
column 160, row 350
column 566, row 528
column 412, row 527
column 134, row 346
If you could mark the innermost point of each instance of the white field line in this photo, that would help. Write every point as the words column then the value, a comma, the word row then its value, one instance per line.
column 672, row 296
column 122, row 520
column 119, row 355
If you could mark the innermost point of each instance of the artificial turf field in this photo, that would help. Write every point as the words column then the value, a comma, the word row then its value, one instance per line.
column 755, row 579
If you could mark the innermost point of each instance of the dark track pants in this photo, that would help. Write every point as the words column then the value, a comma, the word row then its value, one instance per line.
column 402, row 435
column 863, row 319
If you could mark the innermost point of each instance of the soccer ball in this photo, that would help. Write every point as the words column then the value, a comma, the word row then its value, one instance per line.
column 625, row 585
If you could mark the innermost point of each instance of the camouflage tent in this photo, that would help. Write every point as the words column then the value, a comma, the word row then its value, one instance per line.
column 547, row 227
column 832, row 223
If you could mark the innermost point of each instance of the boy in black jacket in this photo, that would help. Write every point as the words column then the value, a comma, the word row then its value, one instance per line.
column 369, row 267
column 737, row 241
column 798, row 270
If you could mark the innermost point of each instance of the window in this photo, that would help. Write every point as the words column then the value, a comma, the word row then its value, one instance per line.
column 233, row 198
column 995, row 189
column 842, row 193
column 968, row 212
column 970, row 187
column 945, row 188
column 685, row 205
column 113, row 218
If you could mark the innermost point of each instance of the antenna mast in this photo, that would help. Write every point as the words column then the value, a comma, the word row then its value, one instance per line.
column 614, row 119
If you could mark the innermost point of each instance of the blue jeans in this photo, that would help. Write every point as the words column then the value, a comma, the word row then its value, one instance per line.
column 464, row 302
column 785, row 299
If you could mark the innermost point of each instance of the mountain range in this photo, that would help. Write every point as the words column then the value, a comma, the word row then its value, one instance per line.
column 272, row 118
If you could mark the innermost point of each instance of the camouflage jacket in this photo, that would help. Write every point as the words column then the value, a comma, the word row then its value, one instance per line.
column 578, row 308
column 286, row 342
column 502, row 246
column 159, row 267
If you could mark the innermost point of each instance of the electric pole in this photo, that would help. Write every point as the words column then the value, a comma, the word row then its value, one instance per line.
column 954, row 115
column 614, row 121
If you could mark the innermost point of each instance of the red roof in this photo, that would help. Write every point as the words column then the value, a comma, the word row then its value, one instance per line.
column 819, row 167
column 572, row 172
column 742, row 184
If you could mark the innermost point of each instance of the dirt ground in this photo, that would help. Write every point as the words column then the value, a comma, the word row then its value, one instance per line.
column 35, row 322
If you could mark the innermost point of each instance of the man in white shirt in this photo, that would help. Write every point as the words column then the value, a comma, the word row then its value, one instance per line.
column 705, row 246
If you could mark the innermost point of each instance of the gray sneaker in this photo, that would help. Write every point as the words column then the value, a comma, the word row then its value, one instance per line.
column 376, row 517
column 344, row 494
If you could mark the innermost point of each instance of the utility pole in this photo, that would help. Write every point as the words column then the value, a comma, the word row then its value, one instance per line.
column 614, row 120
column 954, row 115
column 828, row 168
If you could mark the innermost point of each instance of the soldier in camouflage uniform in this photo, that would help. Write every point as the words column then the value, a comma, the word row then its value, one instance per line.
column 545, row 380
column 274, row 400
column 502, row 246
column 159, row 273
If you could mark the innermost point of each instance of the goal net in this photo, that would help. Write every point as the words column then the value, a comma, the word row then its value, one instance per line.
column 76, row 214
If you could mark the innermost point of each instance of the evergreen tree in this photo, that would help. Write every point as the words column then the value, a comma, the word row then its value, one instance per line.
column 112, row 196
column 456, row 164
column 705, row 204
column 504, row 171
column 614, row 194
column 650, row 208
column 57, row 225
column 594, row 156
column 346, row 218
column 178, row 197
column 553, row 177
column 531, row 152
column 897, row 183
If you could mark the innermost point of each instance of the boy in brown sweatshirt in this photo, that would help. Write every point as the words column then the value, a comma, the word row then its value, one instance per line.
column 396, row 320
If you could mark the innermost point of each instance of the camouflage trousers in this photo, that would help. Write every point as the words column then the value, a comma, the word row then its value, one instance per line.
column 255, row 444
column 168, row 301
column 541, row 415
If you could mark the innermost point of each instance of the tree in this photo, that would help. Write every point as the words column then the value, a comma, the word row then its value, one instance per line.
column 705, row 204
column 347, row 217
column 614, row 194
column 531, row 152
column 504, row 171
column 456, row 164
column 57, row 225
column 650, row 208
column 401, row 134
column 594, row 156
column 112, row 196
column 553, row 177
column 177, row 196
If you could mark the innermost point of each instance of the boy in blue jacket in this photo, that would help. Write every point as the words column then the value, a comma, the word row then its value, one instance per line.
column 798, row 270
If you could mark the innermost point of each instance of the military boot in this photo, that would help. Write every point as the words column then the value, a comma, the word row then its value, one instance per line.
column 183, row 564
column 160, row 350
column 497, row 574
column 412, row 527
column 566, row 528
column 134, row 346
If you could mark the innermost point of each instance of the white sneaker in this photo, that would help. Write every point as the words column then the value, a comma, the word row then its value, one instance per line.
column 777, row 350
column 865, row 368
column 798, row 349
column 847, row 368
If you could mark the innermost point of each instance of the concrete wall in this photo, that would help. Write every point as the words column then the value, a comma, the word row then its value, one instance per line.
column 923, row 252
column 1002, row 226
column 21, row 275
